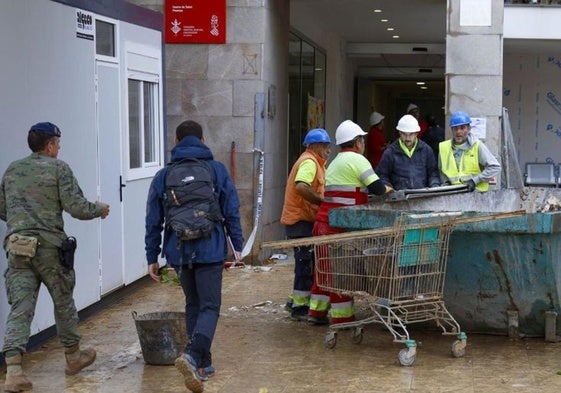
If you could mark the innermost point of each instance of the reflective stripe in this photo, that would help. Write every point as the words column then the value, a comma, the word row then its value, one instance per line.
column 345, row 188
column 366, row 174
column 300, row 298
column 340, row 200
column 300, row 293
column 319, row 303
column 342, row 304
column 342, row 310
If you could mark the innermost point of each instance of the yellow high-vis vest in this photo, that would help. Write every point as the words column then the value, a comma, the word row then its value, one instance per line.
column 469, row 164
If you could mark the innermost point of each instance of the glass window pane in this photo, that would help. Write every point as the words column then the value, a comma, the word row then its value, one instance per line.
column 306, row 92
column 134, row 124
column 149, row 122
column 104, row 38
column 319, row 75
column 295, row 98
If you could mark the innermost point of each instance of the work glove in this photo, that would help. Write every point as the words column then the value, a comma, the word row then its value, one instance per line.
column 470, row 185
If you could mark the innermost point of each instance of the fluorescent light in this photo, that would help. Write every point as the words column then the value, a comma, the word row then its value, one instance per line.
column 377, row 11
column 389, row 29
column 420, row 83
column 384, row 20
column 395, row 36
column 424, row 87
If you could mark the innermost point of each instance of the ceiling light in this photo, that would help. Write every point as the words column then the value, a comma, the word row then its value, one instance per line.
column 384, row 20
column 377, row 11
column 420, row 83
column 389, row 29
column 395, row 36
column 424, row 87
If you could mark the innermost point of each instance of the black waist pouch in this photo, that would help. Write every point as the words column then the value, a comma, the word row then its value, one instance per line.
column 66, row 252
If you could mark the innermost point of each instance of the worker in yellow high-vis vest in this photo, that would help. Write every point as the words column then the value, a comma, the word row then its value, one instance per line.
column 464, row 159
column 349, row 179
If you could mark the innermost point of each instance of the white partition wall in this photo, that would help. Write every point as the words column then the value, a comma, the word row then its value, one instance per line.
column 53, row 70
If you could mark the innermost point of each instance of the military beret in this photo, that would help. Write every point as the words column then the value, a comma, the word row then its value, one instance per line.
column 46, row 128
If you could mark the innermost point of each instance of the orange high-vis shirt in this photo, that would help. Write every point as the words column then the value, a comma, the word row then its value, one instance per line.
column 295, row 207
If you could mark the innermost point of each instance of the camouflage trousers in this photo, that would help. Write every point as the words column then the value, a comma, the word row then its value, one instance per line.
column 23, row 280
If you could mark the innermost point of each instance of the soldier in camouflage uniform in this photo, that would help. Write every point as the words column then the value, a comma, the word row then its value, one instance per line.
column 33, row 194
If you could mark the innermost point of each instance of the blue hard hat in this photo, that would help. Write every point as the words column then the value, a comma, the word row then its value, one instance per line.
column 316, row 135
column 459, row 118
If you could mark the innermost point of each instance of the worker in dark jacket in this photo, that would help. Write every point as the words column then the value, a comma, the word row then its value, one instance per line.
column 201, row 262
column 408, row 163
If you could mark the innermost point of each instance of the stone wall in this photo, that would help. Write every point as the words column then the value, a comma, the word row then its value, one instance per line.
column 474, row 65
column 216, row 86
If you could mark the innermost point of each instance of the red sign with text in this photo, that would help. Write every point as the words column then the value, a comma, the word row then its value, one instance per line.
column 195, row 21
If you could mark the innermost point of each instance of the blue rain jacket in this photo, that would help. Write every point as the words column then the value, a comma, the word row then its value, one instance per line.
column 205, row 250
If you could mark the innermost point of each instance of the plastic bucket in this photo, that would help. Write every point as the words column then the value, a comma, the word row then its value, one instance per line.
column 162, row 336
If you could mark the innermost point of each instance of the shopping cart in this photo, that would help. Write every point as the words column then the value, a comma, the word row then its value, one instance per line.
column 400, row 272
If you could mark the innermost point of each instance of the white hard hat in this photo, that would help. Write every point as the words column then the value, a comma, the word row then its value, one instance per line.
column 375, row 118
column 411, row 107
column 347, row 131
column 408, row 123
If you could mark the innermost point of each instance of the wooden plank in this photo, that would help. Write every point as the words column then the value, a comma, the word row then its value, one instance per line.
column 313, row 240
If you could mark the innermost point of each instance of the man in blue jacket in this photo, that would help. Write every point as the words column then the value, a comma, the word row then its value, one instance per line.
column 200, row 262
column 408, row 163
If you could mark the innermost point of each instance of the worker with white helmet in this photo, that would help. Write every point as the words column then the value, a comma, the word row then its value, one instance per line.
column 464, row 159
column 376, row 141
column 415, row 111
column 348, row 181
column 408, row 163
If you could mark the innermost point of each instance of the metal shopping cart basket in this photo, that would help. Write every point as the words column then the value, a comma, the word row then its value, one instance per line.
column 400, row 272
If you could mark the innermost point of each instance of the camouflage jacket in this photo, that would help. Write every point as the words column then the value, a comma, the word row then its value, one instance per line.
column 35, row 191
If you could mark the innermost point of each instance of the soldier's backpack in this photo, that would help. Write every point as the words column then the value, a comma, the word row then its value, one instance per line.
column 191, row 205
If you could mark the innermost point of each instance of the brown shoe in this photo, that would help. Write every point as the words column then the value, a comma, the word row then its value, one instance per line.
column 77, row 359
column 191, row 377
column 16, row 381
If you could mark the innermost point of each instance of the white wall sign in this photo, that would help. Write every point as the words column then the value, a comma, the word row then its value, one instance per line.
column 479, row 127
column 475, row 13
column 85, row 27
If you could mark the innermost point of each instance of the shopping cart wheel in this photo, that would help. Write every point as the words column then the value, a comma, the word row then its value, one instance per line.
column 356, row 336
column 330, row 340
column 406, row 357
column 459, row 348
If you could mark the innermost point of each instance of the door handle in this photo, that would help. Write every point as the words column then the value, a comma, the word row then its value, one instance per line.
column 121, row 186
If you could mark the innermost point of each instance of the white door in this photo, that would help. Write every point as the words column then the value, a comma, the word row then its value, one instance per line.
column 111, row 182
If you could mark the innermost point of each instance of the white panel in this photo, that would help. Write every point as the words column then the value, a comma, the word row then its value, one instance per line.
column 112, row 266
column 49, row 77
column 475, row 13
column 142, row 51
column 532, row 95
column 532, row 22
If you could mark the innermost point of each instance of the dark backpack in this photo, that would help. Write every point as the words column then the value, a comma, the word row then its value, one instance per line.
column 190, row 203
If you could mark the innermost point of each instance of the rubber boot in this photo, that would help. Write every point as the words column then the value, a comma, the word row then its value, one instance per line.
column 16, row 381
column 77, row 359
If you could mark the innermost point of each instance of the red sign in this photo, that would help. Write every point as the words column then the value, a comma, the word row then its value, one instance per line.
column 195, row 21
